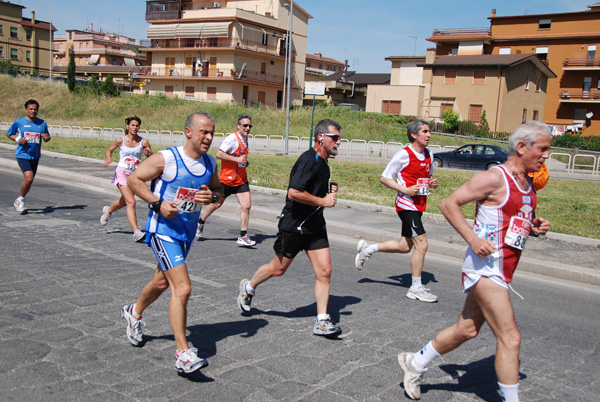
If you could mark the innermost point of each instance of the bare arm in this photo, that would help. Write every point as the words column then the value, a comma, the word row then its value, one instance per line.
column 393, row 184
column 147, row 148
column 225, row 156
column 108, row 154
column 485, row 187
column 306, row 198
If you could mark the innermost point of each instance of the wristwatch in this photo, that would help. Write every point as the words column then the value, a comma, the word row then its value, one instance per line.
column 215, row 197
column 155, row 206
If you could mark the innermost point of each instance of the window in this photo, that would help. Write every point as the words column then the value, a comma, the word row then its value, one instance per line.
column 478, row 77
column 14, row 55
column 542, row 52
column 1, row 52
column 1, row 31
column 579, row 115
column 591, row 54
column 211, row 92
column 189, row 92
column 391, row 107
column 169, row 90
column 263, row 68
column 320, row 66
column 265, row 38
column 504, row 50
column 444, row 107
column 189, row 61
column 536, row 115
column 262, row 97
column 538, row 85
column 527, row 84
column 544, row 24
column 524, row 116
column 28, row 55
column 475, row 112
column 13, row 33
column 308, row 64
column 587, row 84
column 450, row 77
column 28, row 34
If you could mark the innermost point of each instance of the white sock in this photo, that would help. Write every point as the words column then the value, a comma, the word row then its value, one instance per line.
column 134, row 314
column 425, row 356
column 249, row 288
column 509, row 393
column 21, row 198
column 416, row 282
column 371, row 249
column 322, row 316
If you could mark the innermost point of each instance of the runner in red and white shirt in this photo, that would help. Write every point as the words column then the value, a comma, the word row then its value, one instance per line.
column 409, row 172
column 506, row 202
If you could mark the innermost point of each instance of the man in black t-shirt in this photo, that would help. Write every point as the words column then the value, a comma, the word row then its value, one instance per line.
column 302, row 225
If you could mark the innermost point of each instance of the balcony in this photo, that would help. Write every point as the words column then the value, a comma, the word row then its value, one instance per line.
column 580, row 96
column 227, row 43
column 210, row 74
column 461, row 31
column 581, row 64
column 162, row 15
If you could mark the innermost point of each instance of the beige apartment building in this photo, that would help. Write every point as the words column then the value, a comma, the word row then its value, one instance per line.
column 24, row 41
column 225, row 51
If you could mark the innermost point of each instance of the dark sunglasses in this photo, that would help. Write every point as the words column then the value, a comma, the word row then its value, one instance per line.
column 247, row 125
column 334, row 137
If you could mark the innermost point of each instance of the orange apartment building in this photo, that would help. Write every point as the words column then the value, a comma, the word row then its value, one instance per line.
column 567, row 44
column 24, row 41
column 225, row 51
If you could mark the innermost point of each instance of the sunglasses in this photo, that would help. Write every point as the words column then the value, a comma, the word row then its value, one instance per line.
column 247, row 125
column 334, row 137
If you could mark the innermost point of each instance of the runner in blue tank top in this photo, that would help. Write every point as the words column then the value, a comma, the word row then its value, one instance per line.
column 183, row 179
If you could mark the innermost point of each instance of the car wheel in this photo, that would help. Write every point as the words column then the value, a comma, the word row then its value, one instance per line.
column 437, row 163
column 491, row 165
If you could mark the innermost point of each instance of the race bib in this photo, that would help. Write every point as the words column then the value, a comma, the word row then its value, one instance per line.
column 518, row 232
column 423, row 184
column 186, row 198
column 131, row 163
column 32, row 138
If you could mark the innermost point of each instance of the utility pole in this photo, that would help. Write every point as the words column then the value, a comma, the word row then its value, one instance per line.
column 289, row 79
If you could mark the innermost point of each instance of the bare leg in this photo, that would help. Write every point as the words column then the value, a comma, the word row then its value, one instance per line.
column 276, row 267
column 245, row 204
column 129, row 199
column 417, row 259
column 26, row 184
column 321, row 262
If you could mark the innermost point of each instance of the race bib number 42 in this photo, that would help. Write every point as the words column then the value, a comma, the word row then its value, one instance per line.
column 518, row 232
column 186, row 197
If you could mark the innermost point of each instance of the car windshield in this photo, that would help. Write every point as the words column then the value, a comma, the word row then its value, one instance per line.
column 502, row 150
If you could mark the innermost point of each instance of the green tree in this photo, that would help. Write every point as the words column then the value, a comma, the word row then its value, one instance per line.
column 108, row 87
column 93, row 87
column 71, row 71
column 6, row 66
column 483, row 123
column 451, row 119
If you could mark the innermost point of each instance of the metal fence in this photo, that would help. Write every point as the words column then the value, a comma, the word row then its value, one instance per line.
column 565, row 160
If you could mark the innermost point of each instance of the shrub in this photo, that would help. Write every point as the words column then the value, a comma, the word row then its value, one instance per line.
column 451, row 119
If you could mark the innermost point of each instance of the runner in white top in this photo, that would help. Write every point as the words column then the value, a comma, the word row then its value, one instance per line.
column 132, row 148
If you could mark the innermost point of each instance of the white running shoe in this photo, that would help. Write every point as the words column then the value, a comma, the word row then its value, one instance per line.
column 244, row 299
column 188, row 361
column 422, row 294
column 105, row 216
column 200, row 231
column 361, row 256
column 134, row 325
column 138, row 235
column 326, row 328
column 245, row 241
column 412, row 376
column 19, row 205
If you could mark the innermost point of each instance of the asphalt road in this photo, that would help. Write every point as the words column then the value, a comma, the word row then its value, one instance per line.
column 63, row 279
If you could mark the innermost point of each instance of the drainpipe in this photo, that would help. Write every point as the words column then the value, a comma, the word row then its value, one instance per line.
column 352, row 94
column 498, row 100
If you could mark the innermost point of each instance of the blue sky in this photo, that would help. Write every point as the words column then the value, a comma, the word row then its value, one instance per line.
column 362, row 32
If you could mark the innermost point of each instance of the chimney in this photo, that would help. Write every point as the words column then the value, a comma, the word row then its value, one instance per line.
column 430, row 56
column 493, row 12
column 92, row 27
column 319, row 55
column 33, row 17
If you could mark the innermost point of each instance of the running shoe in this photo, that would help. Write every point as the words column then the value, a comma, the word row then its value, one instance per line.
column 412, row 376
column 244, row 298
column 19, row 205
column 245, row 241
column 134, row 325
column 138, row 235
column 199, row 231
column 326, row 328
column 187, row 361
column 361, row 256
column 422, row 294
column 105, row 216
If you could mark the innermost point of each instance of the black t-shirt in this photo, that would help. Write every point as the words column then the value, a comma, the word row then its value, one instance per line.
column 311, row 174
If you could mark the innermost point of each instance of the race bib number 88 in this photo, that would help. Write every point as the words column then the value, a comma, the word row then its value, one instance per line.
column 518, row 232
column 186, row 197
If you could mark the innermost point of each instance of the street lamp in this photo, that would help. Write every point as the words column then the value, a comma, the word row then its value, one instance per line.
column 50, row 40
column 288, row 64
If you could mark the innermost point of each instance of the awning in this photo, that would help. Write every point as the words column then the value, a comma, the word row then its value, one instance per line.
column 129, row 62
column 93, row 59
column 163, row 31
column 203, row 30
column 189, row 30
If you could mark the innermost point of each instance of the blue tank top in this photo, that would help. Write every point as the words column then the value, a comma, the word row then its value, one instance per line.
column 182, row 188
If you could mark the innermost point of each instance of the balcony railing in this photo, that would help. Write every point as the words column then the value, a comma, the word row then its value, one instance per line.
column 581, row 63
column 245, row 44
column 580, row 95
column 461, row 31
column 162, row 15
column 191, row 73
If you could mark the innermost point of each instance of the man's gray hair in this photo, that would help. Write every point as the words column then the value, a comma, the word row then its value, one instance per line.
column 529, row 133
column 323, row 127
column 190, row 120
column 413, row 128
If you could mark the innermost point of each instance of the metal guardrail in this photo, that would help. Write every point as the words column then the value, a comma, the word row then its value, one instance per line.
column 275, row 144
